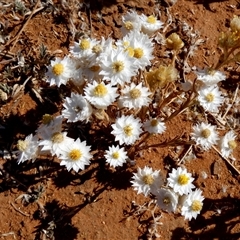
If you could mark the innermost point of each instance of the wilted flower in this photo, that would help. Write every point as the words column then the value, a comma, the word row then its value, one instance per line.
column 160, row 77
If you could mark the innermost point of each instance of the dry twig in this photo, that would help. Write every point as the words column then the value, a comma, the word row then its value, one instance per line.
column 226, row 160
column 18, row 210
column 15, row 39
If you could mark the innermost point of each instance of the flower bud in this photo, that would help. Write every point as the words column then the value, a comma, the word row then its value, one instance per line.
column 174, row 42
column 235, row 24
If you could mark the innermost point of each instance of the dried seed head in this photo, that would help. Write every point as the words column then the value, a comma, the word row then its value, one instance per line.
column 161, row 76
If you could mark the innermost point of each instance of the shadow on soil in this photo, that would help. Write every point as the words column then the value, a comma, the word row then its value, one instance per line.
column 220, row 224
column 207, row 3
column 55, row 221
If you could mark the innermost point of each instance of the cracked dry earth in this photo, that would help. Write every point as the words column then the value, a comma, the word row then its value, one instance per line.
column 42, row 200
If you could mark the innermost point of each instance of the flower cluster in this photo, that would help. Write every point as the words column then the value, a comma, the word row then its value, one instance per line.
column 118, row 83
column 177, row 194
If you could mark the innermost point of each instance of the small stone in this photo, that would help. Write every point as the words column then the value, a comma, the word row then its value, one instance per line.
column 217, row 169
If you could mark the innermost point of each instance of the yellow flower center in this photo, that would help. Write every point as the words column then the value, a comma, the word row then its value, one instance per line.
column 166, row 200
column 128, row 25
column 115, row 155
column 135, row 93
column 97, row 48
column 57, row 137
column 232, row 144
column 100, row 90
column 128, row 130
column 209, row 97
column 151, row 19
column 75, row 154
column 183, row 179
column 196, row 206
column 22, row 145
column 130, row 51
column 206, row 133
column 148, row 179
column 58, row 69
column 118, row 66
column 46, row 119
column 84, row 44
column 95, row 68
column 211, row 71
column 138, row 53
column 154, row 122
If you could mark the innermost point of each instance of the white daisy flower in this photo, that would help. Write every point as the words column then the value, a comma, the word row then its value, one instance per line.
column 167, row 200
column 155, row 126
column 60, row 71
column 131, row 22
column 100, row 95
column 150, row 24
column 145, row 178
column 134, row 96
column 84, row 48
column 127, row 129
column 210, row 77
column 140, row 47
column 180, row 181
column 27, row 149
column 77, row 108
column 117, row 67
column 54, row 142
column 210, row 98
column 116, row 156
column 227, row 143
column 75, row 155
column 192, row 204
column 205, row 135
